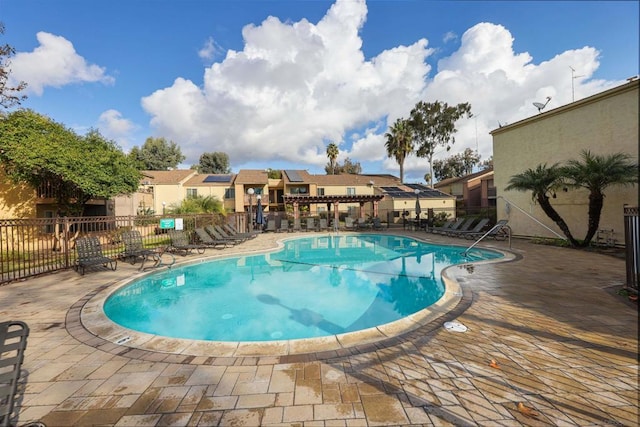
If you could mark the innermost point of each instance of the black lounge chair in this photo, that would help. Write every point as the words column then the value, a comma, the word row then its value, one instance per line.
column 180, row 243
column 476, row 229
column 224, row 235
column 500, row 231
column 377, row 224
column 284, row 226
column 448, row 226
column 13, row 342
column 311, row 224
column 90, row 254
column 323, row 226
column 206, row 239
column 134, row 247
column 466, row 224
column 296, row 225
column 350, row 224
column 215, row 234
column 232, row 231
column 271, row 225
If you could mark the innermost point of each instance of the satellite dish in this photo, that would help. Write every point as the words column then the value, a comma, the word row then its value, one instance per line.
column 540, row 106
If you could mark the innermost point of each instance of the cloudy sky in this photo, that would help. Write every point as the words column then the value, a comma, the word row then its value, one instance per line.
column 271, row 83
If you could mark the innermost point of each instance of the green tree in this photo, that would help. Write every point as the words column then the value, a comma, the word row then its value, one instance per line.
column 399, row 142
column 433, row 125
column 9, row 95
column 542, row 182
column 332, row 154
column 458, row 165
column 216, row 162
column 347, row 167
column 39, row 151
column 595, row 173
column 157, row 154
column 197, row 205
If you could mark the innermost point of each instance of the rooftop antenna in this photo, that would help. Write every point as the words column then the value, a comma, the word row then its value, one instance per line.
column 540, row 106
column 573, row 77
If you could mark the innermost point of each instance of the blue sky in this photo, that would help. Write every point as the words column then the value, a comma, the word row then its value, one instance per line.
column 271, row 83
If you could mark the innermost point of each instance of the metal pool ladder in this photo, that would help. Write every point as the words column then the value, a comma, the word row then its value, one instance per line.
column 492, row 232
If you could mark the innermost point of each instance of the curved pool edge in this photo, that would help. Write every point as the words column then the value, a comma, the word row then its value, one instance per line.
column 94, row 320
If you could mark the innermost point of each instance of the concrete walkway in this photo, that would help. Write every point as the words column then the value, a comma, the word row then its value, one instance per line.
column 561, row 344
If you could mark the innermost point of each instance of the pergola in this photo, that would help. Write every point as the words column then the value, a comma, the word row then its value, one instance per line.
column 297, row 199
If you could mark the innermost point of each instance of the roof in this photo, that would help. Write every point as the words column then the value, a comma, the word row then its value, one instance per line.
column 171, row 177
column 303, row 198
column 465, row 178
column 352, row 179
column 209, row 179
column 252, row 176
column 408, row 191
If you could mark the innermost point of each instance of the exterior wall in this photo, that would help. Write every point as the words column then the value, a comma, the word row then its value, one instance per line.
column 16, row 200
column 604, row 124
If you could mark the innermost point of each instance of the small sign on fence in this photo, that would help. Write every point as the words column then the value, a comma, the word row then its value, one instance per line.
column 167, row 223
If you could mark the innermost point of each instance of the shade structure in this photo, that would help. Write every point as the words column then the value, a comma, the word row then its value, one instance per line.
column 259, row 214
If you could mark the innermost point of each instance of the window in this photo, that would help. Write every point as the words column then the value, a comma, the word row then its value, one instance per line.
column 192, row 192
column 320, row 192
column 351, row 191
column 230, row 193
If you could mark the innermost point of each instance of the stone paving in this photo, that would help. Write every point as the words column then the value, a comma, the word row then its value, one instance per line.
column 561, row 345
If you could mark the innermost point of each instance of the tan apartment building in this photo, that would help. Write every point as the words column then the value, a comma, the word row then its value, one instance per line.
column 604, row 123
column 473, row 192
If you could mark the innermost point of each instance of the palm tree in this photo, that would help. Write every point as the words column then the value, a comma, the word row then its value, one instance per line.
column 399, row 143
column 542, row 181
column 332, row 154
column 595, row 173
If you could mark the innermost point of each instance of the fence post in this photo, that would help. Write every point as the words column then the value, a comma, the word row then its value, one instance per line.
column 65, row 239
column 632, row 245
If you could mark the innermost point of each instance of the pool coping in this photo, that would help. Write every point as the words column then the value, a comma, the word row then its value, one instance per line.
column 88, row 323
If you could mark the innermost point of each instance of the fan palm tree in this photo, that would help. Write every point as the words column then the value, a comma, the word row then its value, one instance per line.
column 595, row 173
column 332, row 154
column 400, row 143
column 542, row 181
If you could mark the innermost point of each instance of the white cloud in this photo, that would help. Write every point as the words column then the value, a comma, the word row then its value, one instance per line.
column 295, row 86
column 113, row 126
column 54, row 63
column 209, row 50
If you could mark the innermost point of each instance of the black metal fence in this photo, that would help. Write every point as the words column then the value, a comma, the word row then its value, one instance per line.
column 632, row 245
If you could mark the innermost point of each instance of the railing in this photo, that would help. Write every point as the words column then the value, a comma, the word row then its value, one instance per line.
column 632, row 246
column 30, row 247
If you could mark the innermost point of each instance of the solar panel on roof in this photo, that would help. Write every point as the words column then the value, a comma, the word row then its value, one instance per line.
column 218, row 178
column 293, row 176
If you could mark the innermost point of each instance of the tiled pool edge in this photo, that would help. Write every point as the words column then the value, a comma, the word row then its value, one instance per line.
column 87, row 323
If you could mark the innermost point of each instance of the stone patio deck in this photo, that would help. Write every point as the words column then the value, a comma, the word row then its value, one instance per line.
column 563, row 346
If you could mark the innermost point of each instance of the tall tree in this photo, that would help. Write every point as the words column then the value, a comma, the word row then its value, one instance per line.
column 399, row 142
column 542, row 182
column 157, row 154
column 36, row 150
column 433, row 125
column 458, row 165
column 9, row 95
column 348, row 166
column 595, row 173
column 216, row 162
column 332, row 154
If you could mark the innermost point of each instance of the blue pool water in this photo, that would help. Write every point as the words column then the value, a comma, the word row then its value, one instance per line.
column 313, row 287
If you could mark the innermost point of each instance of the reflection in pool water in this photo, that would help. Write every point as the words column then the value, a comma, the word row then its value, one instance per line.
column 313, row 287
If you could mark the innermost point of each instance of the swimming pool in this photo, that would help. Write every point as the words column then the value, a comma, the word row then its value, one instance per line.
column 312, row 287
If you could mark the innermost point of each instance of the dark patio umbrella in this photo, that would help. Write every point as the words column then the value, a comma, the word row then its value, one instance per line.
column 418, row 210
column 260, row 220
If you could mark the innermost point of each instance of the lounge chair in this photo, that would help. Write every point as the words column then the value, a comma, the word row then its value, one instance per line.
column 206, row 239
column 215, row 233
column 377, row 224
column 362, row 224
column 134, row 247
column 13, row 342
column 465, row 226
column 323, row 225
column 476, row 229
column 284, row 226
column 232, row 231
column 222, row 234
column 296, row 225
column 271, row 225
column 180, row 243
column 349, row 223
column 454, row 224
column 311, row 224
column 500, row 231
column 90, row 254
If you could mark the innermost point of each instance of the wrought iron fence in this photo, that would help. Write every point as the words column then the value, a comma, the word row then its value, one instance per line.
column 30, row 247
column 632, row 245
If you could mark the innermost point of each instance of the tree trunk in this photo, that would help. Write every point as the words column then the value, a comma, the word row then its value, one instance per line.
column 596, row 200
column 543, row 200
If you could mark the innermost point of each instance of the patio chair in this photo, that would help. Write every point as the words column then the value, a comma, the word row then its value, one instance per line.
column 500, row 231
column 13, row 342
column 222, row 234
column 215, row 234
column 271, row 225
column 448, row 226
column 134, row 247
column 363, row 224
column 349, row 223
column 311, row 224
column 466, row 224
column 377, row 224
column 296, row 225
column 90, row 254
column 180, row 243
column 284, row 226
column 206, row 239
column 232, row 231
column 476, row 229
column 323, row 226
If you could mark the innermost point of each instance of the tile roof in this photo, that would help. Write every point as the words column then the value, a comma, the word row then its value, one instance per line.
column 465, row 178
column 167, row 177
column 252, row 176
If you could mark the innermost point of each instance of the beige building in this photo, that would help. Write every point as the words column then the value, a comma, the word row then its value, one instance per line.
column 604, row 123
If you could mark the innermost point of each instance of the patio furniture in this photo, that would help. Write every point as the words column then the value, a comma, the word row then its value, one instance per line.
column 232, row 231
column 284, row 226
column 271, row 225
column 13, row 342
column 134, row 249
column 448, row 226
column 466, row 224
column 323, row 226
column 180, row 243
column 363, row 224
column 223, row 235
column 377, row 224
column 90, row 254
column 206, row 239
column 311, row 224
column 296, row 225
column 349, row 223
column 476, row 229
column 500, row 231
